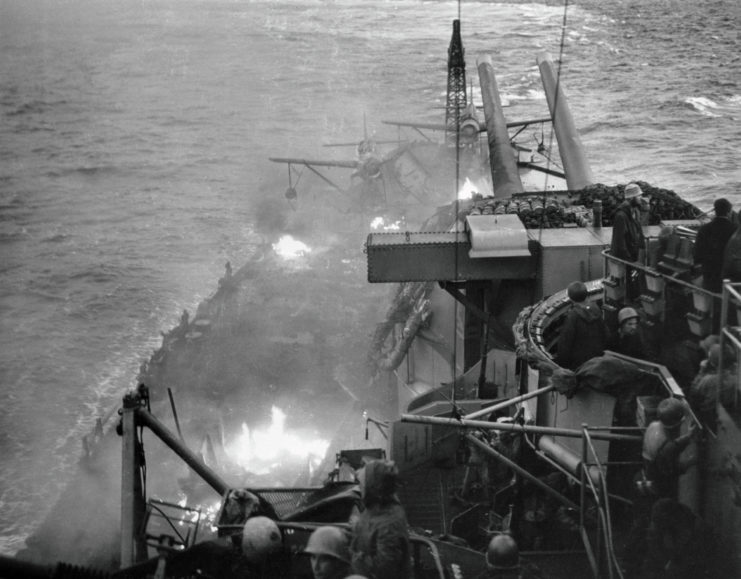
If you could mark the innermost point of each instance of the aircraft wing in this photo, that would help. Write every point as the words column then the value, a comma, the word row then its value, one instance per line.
column 428, row 126
column 312, row 163
column 442, row 127
column 528, row 123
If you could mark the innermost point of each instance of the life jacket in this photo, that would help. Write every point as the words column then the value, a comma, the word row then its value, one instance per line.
column 653, row 441
column 660, row 460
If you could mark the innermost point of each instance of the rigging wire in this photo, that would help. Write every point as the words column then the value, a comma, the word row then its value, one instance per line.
column 545, row 151
column 551, row 134
column 457, row 233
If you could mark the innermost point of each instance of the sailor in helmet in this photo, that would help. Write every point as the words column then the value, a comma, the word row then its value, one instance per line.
column 328, row 547
column 628, row 241
column 380, row 545
column 664, row 460
column 627, row 235
column 503, row 560
column 583, row 333
column 629, row 339
column 663, row 446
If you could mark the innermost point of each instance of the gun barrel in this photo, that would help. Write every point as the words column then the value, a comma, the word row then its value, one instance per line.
column 577, row 169
column 505, row 177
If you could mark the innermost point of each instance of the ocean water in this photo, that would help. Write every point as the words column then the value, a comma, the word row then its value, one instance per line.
column 136, row 133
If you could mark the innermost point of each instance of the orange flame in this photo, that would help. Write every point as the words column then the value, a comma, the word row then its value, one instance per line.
column 260, row 450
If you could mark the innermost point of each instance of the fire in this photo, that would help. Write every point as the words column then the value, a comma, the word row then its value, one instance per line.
column 380, row 223
column 259, row 450
column 290, row 248
column 467, row 190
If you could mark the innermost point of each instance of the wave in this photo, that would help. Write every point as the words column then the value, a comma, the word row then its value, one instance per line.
column 29, row 108
column 725, row 107
column 15, row 234
column 87, row 171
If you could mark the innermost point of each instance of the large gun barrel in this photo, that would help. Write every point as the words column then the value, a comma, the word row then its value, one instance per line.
column 505, row 177
column 577, row 169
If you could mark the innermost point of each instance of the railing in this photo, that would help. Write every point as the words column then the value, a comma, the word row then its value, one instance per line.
column 170, row 527
column 592, row 492
column 602, row 555
column 708, row 313
column 729, row 335
column 704, row 301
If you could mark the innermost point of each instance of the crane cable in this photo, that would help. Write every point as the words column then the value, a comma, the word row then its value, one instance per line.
column 551, row 134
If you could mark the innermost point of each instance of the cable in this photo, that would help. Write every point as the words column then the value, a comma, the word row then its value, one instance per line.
column 555, row 107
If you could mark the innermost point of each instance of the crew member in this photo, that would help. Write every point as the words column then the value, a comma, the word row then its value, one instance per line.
column 583, row 334
column 628, row 241
column 503, row 560
column 380, row 544
column 628, row 339
column 710, row 245
column 330, row 553
column 678, row 543
column 732, row 260
column 627, row 234
column 663, row 462
column 711, row 385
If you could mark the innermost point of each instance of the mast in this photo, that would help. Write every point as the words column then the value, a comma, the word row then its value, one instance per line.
column 456, row 101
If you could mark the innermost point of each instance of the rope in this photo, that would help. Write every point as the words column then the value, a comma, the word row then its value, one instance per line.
column 551, row 134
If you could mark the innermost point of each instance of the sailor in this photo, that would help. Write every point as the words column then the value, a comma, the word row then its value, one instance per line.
column 663, row 463
column 711, row 385
column 503, row 560
column 628, row 339
column 678, row 543
column 627, row 235
column 583, row 334
column 710, row 245
column 328, row 547
column 731, row 269
column 732, row 258
column 663, row 447
column 380, row 543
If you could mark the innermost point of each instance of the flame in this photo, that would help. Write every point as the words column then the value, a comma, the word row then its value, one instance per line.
column 201, row 514
column 380, row 223
column 467, row 190
column 260, row 449
column 290, row 248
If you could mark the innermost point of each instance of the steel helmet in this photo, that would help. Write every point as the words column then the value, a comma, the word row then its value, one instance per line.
column 260, row 537
column 633, row 190
column 708, row 342
column 626, row 314
column 670, row 412
column 577, row 291
column 714, row 355
column 502, row 553
column 330, row 541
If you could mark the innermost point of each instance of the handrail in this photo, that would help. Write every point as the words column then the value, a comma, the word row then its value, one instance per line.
column 512, row 427
column 664, row 375
column 603, row 510
column 729, row 295
column 185, row 541
column 656, row 273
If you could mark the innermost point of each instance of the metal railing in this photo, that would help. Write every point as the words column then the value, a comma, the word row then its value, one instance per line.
column 668, row 279
column 600, row 548
column 729, row 335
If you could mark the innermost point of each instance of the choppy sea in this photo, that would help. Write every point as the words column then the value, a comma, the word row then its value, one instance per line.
column 135, row 136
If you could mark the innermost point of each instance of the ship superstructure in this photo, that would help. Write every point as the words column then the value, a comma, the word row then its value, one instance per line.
column 465, row 395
